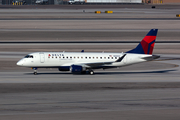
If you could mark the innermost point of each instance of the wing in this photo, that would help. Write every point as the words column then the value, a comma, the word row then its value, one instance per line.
column 96, row 64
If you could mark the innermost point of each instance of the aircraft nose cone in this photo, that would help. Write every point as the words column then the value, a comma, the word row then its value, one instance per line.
column 20, row 63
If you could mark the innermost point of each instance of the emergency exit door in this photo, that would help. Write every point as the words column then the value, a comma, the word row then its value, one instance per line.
column 42, row 58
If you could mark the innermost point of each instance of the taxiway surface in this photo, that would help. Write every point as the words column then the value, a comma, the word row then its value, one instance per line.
column 138, row 94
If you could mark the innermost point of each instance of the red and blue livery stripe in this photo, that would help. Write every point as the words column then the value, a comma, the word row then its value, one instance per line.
column 146, row 46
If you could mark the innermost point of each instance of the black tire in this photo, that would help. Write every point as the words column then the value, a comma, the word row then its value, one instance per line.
column 91, row 72
column 35, row 73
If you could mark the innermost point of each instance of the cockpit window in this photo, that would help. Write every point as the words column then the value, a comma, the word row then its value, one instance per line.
column 28, row 56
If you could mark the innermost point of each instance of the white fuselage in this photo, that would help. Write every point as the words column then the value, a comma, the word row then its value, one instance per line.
column 57, row 59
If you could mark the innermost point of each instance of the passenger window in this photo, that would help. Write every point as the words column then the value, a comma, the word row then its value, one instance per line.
column 74, row 57
column 89, row 57
column 104, row 57
column 59, row 57
column 86, row 57
column 81, row 57
column 93, row 57
column 67, row 57
column 101, row 57
column 108, row 57
column 96, row 57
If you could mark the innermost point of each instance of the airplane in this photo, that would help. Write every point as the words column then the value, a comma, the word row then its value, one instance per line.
column 85, row 62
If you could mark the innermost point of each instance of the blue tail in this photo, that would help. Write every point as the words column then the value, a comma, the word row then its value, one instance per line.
column 147, row 44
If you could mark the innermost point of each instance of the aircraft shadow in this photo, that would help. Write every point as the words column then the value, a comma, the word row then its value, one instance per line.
column 104, row 73
column 145, row 72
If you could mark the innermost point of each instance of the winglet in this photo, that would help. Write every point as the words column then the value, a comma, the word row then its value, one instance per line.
column 147, row 44
column 121, row 58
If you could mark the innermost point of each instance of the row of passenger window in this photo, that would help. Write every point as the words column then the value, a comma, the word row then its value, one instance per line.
column 84, row 57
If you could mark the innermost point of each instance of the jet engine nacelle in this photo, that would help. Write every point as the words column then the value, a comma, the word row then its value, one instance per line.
column 77, row 69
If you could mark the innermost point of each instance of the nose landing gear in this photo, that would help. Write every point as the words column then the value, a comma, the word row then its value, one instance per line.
column 35, row 71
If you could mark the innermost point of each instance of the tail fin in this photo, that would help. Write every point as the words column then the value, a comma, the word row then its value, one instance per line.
column 147, row 44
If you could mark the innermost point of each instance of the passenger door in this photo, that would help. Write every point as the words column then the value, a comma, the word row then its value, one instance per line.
column 42, row 58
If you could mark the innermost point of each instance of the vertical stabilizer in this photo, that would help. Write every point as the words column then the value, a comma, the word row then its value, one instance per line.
column 146, row 46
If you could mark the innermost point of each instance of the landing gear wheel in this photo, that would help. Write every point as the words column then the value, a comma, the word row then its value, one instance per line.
column 91, row 72
column 35, row 73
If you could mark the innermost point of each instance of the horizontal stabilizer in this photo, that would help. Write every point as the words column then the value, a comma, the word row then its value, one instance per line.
column 148, row 58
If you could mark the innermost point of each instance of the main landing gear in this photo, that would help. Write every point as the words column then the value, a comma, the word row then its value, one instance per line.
column 35, row 71
column 91, row 72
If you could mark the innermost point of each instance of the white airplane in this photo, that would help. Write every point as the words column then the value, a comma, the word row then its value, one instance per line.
column 82, row 62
